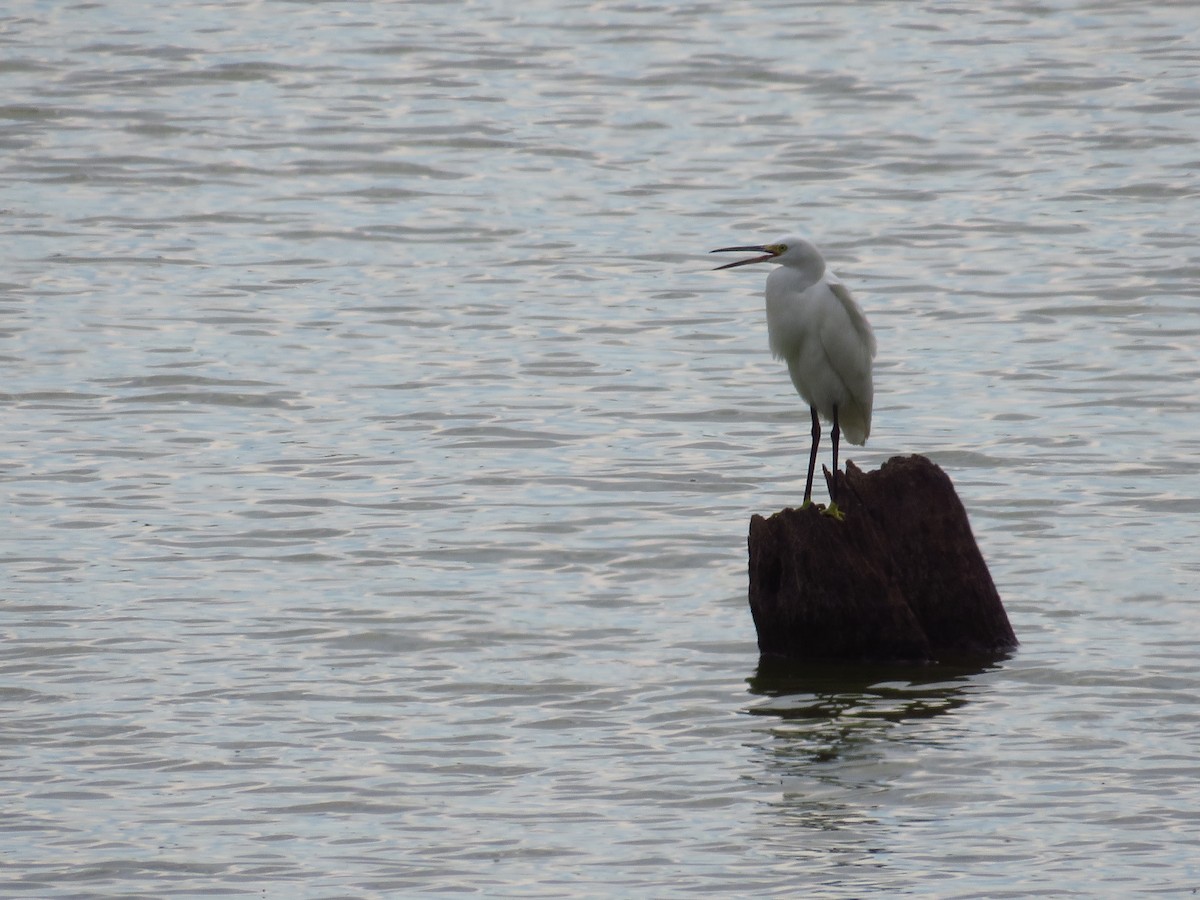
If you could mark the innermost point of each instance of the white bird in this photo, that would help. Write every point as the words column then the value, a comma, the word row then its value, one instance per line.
column 815, row 326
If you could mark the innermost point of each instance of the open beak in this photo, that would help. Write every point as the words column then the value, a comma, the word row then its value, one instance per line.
column 744, row 262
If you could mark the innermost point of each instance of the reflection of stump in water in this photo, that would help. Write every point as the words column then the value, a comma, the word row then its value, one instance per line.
column 900, row 578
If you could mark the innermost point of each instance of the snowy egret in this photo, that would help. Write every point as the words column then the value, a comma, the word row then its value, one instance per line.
column 814, row 325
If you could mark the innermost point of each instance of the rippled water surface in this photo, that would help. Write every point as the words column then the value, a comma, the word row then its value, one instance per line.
column 380, row 447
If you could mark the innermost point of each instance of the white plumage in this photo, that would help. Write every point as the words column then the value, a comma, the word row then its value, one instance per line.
column 816, row 327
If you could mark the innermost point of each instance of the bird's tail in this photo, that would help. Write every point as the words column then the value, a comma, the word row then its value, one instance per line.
column 855, row 422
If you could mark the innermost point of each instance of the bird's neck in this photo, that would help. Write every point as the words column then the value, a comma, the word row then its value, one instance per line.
column 804, row 276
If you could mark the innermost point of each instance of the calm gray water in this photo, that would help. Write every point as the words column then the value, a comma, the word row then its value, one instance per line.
column 380, row 448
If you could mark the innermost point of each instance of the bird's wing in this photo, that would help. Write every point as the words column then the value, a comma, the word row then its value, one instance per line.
column 855, row 313
column 849, row 351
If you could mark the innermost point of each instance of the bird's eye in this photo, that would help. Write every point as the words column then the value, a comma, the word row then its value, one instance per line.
column 780, row 249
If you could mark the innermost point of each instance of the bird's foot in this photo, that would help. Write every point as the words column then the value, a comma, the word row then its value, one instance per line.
column 833, row 512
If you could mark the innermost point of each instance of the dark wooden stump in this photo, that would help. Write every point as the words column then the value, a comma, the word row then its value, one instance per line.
column 899, row 579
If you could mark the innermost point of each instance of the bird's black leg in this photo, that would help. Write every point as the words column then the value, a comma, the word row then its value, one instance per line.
column 837, row 433
column 812, row 457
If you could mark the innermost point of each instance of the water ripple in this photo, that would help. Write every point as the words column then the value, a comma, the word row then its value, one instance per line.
column 380, row 446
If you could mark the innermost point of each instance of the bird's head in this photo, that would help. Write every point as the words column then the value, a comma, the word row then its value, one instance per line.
column 790, row 250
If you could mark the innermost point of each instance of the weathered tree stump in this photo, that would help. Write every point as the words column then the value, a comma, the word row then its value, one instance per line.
column 899, row 579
